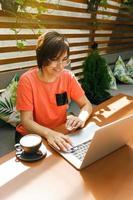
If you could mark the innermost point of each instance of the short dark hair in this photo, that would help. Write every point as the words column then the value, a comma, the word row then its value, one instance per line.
column 50, row 46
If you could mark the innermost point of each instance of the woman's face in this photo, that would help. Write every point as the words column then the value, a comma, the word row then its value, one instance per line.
column 57, row 65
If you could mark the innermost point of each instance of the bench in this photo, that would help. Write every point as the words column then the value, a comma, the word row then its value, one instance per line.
column 111, row 59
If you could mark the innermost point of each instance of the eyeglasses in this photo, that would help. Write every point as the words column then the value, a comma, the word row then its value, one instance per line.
column 56, row 62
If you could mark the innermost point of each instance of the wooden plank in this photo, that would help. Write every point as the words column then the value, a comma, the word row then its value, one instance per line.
column 118, row 15
column 18, row 37
column 62, row 7
column 49, row 17
column 78, row 1
column 115, row 22
column 31, row 58
column 115, row 41
column 50, row 25
column 57, row 19
column 110, row 6
column 16, row 60
column 15, row 70
column 75, row 68
column 99, row 26
column 33, row 47
column 68, row 35
column 35, row 36
column 114, row 49
column 115, row 34
column 15, row 48
column 78, row 52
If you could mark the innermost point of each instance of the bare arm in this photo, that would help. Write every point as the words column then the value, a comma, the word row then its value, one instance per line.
column 74, row 122
column 58, row 140
column 85, row 108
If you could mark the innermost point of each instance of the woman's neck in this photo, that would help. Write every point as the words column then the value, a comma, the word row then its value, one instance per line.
column 44, row 76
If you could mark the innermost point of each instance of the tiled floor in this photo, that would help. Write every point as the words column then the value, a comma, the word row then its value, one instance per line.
column 122, row 88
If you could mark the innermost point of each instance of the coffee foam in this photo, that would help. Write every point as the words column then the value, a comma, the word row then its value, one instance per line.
column 30, row 140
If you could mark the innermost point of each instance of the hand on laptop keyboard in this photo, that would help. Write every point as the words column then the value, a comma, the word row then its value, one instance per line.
column 71, row 150
column 73, row 122
column 59, row 141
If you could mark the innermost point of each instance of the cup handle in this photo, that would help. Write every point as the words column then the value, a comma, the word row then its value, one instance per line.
column 18, row 148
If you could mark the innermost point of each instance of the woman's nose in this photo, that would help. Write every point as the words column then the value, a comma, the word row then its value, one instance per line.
column 60, row 65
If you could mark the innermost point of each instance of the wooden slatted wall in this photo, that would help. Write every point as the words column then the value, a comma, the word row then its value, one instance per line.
column 111, row 28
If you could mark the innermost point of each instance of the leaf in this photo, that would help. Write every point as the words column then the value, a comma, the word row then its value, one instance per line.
column 9, row 103
column 2, row 104
column 21, row 44
column 6, row 105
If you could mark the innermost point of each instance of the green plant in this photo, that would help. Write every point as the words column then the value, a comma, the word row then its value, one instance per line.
column 96, row 80
column 19, row 9
column 20, row 5
column 93, row 4
column 128, row 4
column 8, row 111
column 8, row 5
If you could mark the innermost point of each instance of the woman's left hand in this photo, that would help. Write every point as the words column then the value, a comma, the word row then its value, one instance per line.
column 74, row 122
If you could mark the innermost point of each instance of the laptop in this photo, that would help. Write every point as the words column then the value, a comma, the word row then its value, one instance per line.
column 93, row 142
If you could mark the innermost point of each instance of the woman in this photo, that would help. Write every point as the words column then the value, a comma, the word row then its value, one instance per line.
column 44, row 93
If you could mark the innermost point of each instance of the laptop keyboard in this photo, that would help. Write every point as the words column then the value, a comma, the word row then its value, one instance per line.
column 80, row 150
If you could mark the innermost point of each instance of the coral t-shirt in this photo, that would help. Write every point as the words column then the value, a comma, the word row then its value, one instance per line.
column 40, row 97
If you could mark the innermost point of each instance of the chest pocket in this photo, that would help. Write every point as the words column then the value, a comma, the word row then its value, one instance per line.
column 61, row 99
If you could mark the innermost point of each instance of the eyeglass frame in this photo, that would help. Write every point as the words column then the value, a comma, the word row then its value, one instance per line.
column 56, row 62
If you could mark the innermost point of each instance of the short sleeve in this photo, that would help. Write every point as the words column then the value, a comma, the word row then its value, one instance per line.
column 24, row 95
column 76, row 90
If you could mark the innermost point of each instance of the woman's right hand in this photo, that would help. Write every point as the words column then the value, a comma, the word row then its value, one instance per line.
column 59, row 141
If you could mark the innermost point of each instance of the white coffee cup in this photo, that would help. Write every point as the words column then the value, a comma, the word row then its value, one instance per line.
column 30, row 143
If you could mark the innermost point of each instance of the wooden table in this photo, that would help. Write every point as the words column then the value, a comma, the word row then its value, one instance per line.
column 53, row 178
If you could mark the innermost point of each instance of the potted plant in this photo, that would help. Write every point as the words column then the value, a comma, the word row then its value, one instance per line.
column 96, row 79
